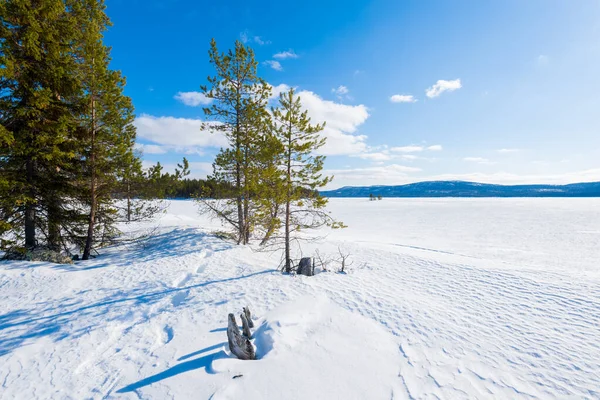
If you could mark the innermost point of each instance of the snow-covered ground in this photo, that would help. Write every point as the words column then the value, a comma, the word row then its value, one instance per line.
column 446, row 298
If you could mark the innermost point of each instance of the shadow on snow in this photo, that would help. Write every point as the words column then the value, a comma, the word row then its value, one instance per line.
column 54, row 318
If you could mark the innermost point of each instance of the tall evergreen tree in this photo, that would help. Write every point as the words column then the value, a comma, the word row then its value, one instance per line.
column 239, row 111
column 37, row 86
column 106, row 132
column 301, row 170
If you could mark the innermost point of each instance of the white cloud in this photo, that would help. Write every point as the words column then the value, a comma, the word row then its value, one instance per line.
column 258, row 40
column 410, row 157
column 507, row 151
column 341, row 90
column 245, row 37
column 177, row 132
column 151, row 148
column 403, row 98
column 192, row 99
column 435, row 147
column 442, row 86
column 342, row 122
column 385, row 174
column 375, row 156
column 285, row 54
column 276, row 65
column 478, row 160
column 407, row 149
column 277, row 90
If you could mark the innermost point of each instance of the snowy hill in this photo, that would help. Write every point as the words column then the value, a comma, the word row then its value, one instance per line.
column 446, row 298
column 468, row 189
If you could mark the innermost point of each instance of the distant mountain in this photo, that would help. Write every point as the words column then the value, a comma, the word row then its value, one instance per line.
column 468, row 189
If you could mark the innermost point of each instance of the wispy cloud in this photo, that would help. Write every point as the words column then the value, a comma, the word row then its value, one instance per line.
column 478, row 160
column 260, row 41
column 246, row 37
column 286, row 54
column 385, row 174
column 340, row 90
column 276, row 65
column 508, row 151
column 442, row 86
column 403, row 98
column 435, row 147
column 410, row 157
column 151, row 148
column 192, row 99
column 407, row 149
column 375, row 156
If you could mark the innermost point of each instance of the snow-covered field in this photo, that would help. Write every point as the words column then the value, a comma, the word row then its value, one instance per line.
column 446, row 298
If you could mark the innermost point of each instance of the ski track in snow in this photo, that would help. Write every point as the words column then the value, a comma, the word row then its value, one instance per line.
column 148, row 321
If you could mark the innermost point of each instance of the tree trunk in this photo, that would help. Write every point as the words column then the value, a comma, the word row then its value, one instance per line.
column 246, row 219
column 53, row 225
column 288, row 260
column 239, row 198
column 93, row 204
column 240, row 207
column 128, row 201
column 30, row 207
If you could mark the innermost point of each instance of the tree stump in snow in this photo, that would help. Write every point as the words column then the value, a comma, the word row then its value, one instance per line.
column 306, row 267
column 245, row 327
column 248, row 316
column 238, row 344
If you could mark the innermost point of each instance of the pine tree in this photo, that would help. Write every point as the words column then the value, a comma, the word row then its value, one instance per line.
column 301, row 175
column 37, row 86
column 239, row 111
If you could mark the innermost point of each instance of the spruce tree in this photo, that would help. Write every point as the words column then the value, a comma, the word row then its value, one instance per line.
column 239, row 111
column 106, row 133
column 37, row 89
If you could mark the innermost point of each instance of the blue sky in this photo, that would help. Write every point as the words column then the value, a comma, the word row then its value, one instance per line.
column 491, row 91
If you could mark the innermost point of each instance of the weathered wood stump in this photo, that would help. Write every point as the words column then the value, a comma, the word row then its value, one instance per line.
column 248, row 316
column 306, row 267
column 239, row 345
column 245, row 326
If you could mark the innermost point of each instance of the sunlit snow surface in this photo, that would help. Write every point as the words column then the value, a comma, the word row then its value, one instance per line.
column 446, row 298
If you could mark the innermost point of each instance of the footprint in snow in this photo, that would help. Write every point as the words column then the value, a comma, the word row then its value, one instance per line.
column 201, row 269
column 179, row 298
column 169, row 333
column 182, row 280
